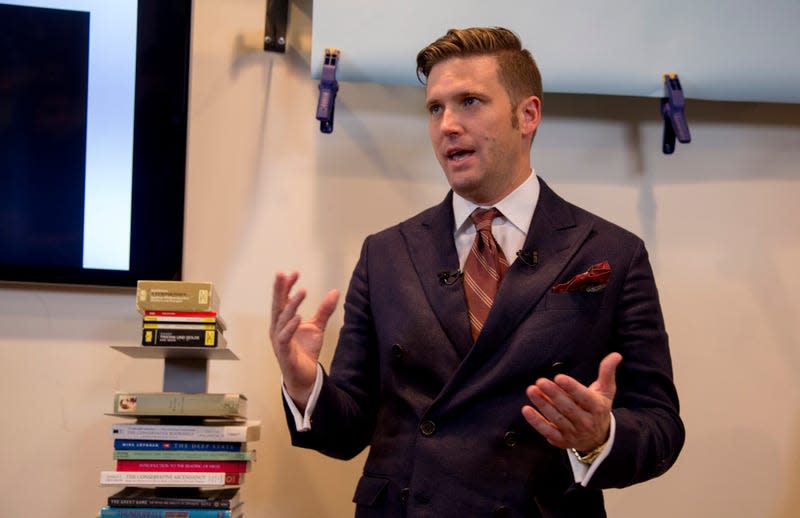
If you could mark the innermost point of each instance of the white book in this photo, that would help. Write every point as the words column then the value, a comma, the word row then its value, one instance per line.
column 169, row 478
column 211, row 431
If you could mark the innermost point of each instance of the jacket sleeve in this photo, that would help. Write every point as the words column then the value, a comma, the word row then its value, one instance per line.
column 649, row 430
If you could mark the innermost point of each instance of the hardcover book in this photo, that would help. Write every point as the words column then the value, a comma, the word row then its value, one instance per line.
column 170, row 478
column 140, row 445
column 124, row 512
column 184, row 337
column 171, row 498
column 208, row 431
column 176, row 296
column 191, row 466
column 180, row 404
column 202, row 317
column 184, row 455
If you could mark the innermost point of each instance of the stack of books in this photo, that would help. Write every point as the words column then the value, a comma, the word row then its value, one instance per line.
column 180, row 313
column 179, row 454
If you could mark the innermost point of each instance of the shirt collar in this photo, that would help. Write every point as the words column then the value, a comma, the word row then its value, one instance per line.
column 517, row 207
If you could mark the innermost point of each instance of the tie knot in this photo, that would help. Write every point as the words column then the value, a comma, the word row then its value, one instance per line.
column 482, row 218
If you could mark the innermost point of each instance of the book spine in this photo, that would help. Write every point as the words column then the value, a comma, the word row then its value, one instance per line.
column 180, row 315
column 184, row 404
column 183, row 455
column 168, row 503
column 191, row 466
column 176, row 296
column 125, row 444
column 184, row 337
column 167, row 478
column 230, row 433
column 197, row 326
column 122, row 512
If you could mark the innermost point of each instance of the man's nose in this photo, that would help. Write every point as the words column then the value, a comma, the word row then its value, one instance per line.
column 450, row 123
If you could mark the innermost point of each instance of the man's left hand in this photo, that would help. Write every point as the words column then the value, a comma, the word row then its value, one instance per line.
column 571, row 415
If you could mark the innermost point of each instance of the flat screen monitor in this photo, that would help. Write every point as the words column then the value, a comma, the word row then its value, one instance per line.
column 93, row 118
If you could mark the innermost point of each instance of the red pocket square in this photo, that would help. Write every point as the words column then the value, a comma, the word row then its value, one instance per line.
column 594, row 279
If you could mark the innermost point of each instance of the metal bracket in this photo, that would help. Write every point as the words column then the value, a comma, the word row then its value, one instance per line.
column 275, row 25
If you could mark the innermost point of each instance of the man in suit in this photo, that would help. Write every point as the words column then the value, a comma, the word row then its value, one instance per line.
column 525, row 398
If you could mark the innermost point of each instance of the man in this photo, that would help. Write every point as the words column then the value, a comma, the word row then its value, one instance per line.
column 523, row 399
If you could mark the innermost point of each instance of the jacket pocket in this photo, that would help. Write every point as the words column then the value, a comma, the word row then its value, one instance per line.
column 370, row 491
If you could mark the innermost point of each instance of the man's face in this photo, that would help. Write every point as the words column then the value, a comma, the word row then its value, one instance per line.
column 483, row 153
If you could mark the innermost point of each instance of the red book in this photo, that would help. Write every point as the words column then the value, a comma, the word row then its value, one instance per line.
column 207, row 314
column 197, row 466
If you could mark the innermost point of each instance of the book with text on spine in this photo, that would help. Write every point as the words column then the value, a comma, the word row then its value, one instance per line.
column 177, row 337
column 184, row 455
column 170, row 478
column 176, row 497
column 125, row 512
column 191, row 466
column 141, row 445
column 199, row 404
column 199, row 317
column 209, row 430
column 176, row 296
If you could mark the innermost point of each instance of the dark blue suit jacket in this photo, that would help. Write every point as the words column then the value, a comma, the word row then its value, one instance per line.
column 441, row 414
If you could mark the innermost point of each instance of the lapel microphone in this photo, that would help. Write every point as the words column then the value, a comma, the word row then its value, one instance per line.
column 530, row 259
column 447, row 278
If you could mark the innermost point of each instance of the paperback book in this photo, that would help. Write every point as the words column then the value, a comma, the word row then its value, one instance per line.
column 172, row 498
column 184, row 455
column 190, row 466
column 184, row 337
column 126, row 444
column 170, row 478
column 176, row 296
column 127, row 512
column 180, row 404
column 207, row 431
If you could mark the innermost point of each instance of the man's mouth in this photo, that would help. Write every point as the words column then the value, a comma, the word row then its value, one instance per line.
column 459, row 154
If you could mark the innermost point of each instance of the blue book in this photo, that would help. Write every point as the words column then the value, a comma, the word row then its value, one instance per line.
column 138, row 444
column 141, row 512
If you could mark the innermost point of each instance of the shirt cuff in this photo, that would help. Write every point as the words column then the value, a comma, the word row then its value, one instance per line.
column 583, row 472
column 302, row 422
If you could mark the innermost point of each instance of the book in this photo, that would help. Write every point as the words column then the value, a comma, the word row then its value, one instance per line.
column 127, row 512
column 184, row 337
column 191, row 466
column 180, row 404
column 176, row 497
column 132, row 444
column 176, row 296
column 184, row 455
column 170, row 478
column 209, row 430
column 205, row 317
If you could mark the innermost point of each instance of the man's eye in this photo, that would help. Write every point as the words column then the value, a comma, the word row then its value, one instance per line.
column 469, row 101
column 434, row 109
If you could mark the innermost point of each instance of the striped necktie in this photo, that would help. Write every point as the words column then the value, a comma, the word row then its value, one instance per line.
column 483, row 270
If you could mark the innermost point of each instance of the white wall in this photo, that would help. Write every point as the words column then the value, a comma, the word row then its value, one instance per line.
column 267, row 191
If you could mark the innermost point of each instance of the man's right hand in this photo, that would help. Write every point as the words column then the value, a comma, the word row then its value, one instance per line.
column 297, row 343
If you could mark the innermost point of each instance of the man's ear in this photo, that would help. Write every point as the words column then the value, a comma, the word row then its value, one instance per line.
column 530, row 115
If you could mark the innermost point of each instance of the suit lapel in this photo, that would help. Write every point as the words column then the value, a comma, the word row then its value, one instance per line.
column 429, row 239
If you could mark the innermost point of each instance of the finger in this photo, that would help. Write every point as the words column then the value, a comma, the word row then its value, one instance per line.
column 326, row 308
column 552, row 404
column 288, row 312
column 583, row 398
column 280, row 291
column 607, row 375
column 543, row 426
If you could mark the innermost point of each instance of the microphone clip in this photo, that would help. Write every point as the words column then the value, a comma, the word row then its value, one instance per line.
column 530, row 259
column 448, row 278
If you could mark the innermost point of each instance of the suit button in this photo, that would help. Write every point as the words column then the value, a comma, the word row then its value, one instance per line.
column 510, row 438
column 557, row 368
column 404, row 495
column 397, row 351
column 427, row 428
column 502, row 512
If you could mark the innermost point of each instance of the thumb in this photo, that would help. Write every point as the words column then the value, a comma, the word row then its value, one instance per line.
column 606, row 382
